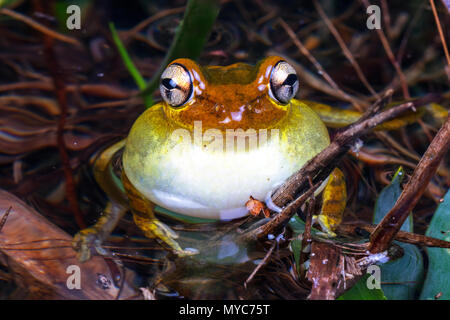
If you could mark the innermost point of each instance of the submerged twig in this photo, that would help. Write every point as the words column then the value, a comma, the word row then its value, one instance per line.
column 36, row 25
column 261, row 264
column 60, row 93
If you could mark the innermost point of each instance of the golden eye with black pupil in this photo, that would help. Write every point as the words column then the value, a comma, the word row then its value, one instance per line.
column 176, row 85
column 283, row 82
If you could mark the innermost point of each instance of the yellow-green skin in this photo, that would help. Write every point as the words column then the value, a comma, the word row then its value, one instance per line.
column 168, row 164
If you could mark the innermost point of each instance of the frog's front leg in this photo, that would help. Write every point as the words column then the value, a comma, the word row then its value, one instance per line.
column 95, row 235
column 334, row 200
column 144, row 217
column 114, row 210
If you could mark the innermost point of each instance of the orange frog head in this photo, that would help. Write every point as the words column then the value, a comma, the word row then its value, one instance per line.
column 228, row 97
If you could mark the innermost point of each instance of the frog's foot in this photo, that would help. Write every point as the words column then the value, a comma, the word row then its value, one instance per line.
column 84, row 240
column 333, row 203
column 153, row 228
column 326, row 224
column 94, row 236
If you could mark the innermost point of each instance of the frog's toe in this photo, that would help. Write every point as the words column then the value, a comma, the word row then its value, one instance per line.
column 164, row 230
column 83, row 241
column 187, row 252
column 326, row 224
column 153, row 228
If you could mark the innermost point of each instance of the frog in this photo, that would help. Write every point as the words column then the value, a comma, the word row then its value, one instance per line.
column 220, row 135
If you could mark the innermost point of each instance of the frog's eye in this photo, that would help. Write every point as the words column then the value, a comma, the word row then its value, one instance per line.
column 283, row 82
column 176, row 85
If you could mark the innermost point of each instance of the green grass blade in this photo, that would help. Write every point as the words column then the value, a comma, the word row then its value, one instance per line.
column 134, row 72
column 191, row 35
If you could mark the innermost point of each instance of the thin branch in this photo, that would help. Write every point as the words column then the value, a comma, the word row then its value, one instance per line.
column 317, row 83
column 260, row 265
column 290, row 196
column 391, row 57
column 61, row 96
column 387, row 229
column 441, row 33
column 281, row 219
column 141, row 25
column 402, row 236
column 36, row 25
column 344, row 48
column 316, row 64
column 338, row 148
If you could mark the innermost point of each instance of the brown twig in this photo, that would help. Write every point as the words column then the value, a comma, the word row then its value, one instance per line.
column 390, row 54
column 4, row 218
column 36, row 25
column 344, row 48
column 387, row 229
column 338, row 148
column 318, row 168
column 100, row 90
column 388, row 140
column 386, row 17
column 306, row 237
column 316, row 63
column 261, row 264
column 318, row 84
column 441, row 33
column 281, row 219
column 60, row 92
column 402, row 236
column 141, row 25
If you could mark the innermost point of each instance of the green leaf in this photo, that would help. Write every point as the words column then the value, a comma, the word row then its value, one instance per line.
column 296, row 247
column 140, row 82
column 402, row 278
column 360, row 291
column 387, row 198
column 191, row 35
column 297, row 225
column 437, row 281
